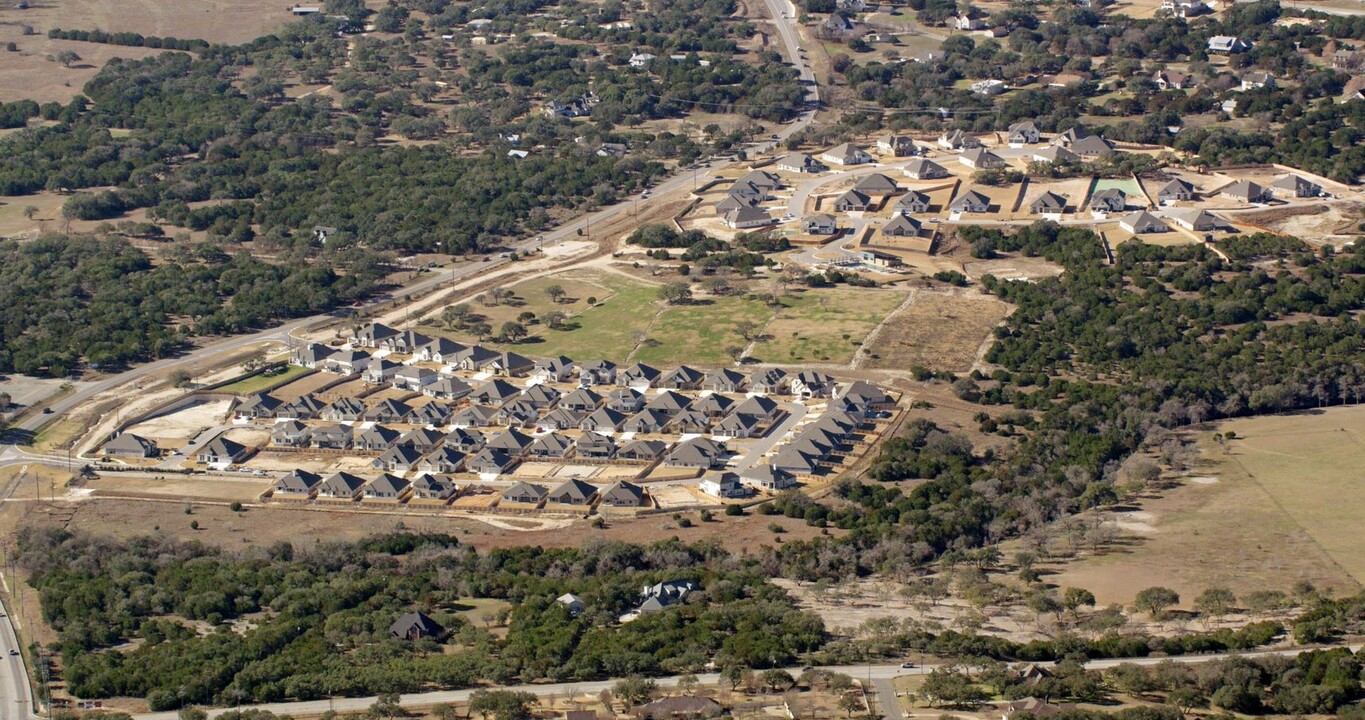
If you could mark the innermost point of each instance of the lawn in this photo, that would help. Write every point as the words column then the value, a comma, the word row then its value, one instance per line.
column 260, row 382
column 826, row 325
column 701, row 333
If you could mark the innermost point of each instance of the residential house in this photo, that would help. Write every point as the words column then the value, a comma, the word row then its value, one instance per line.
column 375, row 439
column 573, row 492
column 746, row 190
column 682, row 378
column 837, row 25
column 1055, row 154
column 289, row 434
column 626, row 400
column 989, row 88
column 769, row 381
column 730, row 203
column 429, row 487
column 540, row 396
column 474, row 416
column 1034, row 707
column 758, row 406
column 646, row 421
column 298, row 484
column 387, row 487
column 1257, row 80
column 957, row 140
column 981, row 159
column 611, row 150
column 445, row 459
column 700, row 453
column 969, row 22
column 800, row 163
column 1109, row 200
column 255, row 407
column 330, row 437
column 1049, row 203
column 447, row 387
column 372, row 335
column 876, row 184
column 422, row 439
column 913, row 202
column 341, row 486
column 1185, row 8
column 1092, row 146
column 381, row 371
column 1174, row 190
column 821, row 224
column 583, row 400
column 1228, row 45
column 387, row 410
column 642, row 450
column 723, row 380
column 473, row 358
column 412, row 377
column 970, row 202
column 812, row 384
column 128, row 445
column 405, row 342
column 1071, row 136
column 1024, row 133
column 880, row 259
column 344, row 410
column 550, row 445
column 415, row 626
column 1197, row 220
column 762, row 179
column 510, row 364
column 722, row 485
column 489, row 461
column 1142, row 223
column 744, row 218
column 852, row 201
column 594, row 446
column 846, row 154
column 640, row 60
column 866, row 398
column 525, row 493
column 511, row 441
column 737, row 425
column 312, row 356
column 466, row 440
column 494, row 392
column 306, row 407
column 767, row 477
column 597, row 372
column 603, row 420
column 925, row 169
column 1298, row 186
column 896, row 146
column 669, row 402
column 902, row 226
column 1246, row 191
column 554, row 370
column 438, row 350
column 221, row 451
column 346, row 362
column 622, row 494
column 575, row 606
column 1172, row 79
column 689, row 421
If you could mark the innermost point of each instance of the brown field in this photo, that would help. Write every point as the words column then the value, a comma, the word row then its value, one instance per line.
column 939, row 330
column 1280, row 506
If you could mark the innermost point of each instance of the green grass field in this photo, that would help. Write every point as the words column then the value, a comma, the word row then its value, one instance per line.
column 260, row 382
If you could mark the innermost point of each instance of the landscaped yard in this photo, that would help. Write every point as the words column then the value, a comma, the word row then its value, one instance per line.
column 257, row 383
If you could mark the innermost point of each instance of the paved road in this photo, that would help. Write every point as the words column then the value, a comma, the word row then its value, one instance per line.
column 795, row 412
column 16, row 697
column 887, row 702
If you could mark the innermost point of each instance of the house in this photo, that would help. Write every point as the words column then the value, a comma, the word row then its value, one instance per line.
column 1142, row 223
column 925, row 169
column 372, row 335
column 626, row 400
column 331, row 437
column 1092, row 146
column 876, row 184
column 800, row 163
column 981, row 159
column 798, row 460
column 734, row 202
column 465, row 440
column 1257, row 80
column 642, row 450
column 1024, row 133
column 437, row 350
column 989, row 88
column 896, row 146
column 298, row 484
column 494, row 392
column 474, row 416
column 970, row 202
column 411, row 377
column 679, row 706
column 344, row 410
column 723, row 380
column 821, row 224
column 1228, row 45
column 852, row 200
column 689, row 421
column 473, row 358
column 312, row 356
column 866, row 398
column 573, row 492
column 539, row 397
column 554, row 370
column 582, row 400
column 763, row 180
column 760, row 407
column 723, row 485
column 969, row 22
column 957, row 140
column 880, row 259
column 1109, row 200
column 1298, row 186
column 415, row 626
column 306, row 407
column 406, row 342
column 1049, row 203
column 489, row 461
column 767, row 477
column 597, row 372
column 511, row 441
column 221, row 451
column 388, row 410
column 912, row 202
column 289, row 434
column 447, row 387
column 428, row 487
column 375, row 439
column 1070, row 136
column 1174, row 190
column 902, row 226
column 575, row 606
column 1246, row 191
column 745, row 190
column 603, row 420
column 255, row 407
column 593, row 446
column 737, row 425
column 669, row 403
column 381, row 371
column 128, row 445
column 682, row 378
column 1197, row 220
column 622, row 494
column 1055, row 154
column 429, row 414
column 341, row 486
column 445, row 459
column 812, row 384
column 421, row 439
column 769, row 381
column 846, row 154
column 346, row 362
column 510, row 364
column 611, row 150
column 550, row 445
column 1172, row 79
column 639, row 60
column 1185, row 8
column 747, row 217
column 646, row 421
column 524, row 492
column 387, row 487
column 638, row 375
column 699, row 453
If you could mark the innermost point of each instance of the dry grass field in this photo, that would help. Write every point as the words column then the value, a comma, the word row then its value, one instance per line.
column 1280, row 505
column 938, row 330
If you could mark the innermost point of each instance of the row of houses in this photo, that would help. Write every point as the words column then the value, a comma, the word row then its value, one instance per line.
column 302, row 485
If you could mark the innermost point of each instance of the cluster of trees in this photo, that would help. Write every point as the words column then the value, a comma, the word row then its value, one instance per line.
column 129, row 39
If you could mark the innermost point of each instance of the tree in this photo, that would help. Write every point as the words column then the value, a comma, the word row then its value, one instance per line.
column 386, row 706
column 513, row 331
column 778, row 679
column 1215, row 602
column 502, row 704
column 554, row 319
column 192, row 713
column 747, row 329
column 732, row 672
column 950, row 687
column 1186, row 699
column 676, row 293
column 735, row 352
column 482, row 331
column 446, row 711
column 5, row 400
column 1155, row 600
column 180, row 378
column 30, row 211
column 850, row 704
column 254, row 361
column 1074, row 599
column 635, row 690
column 688, row 683
column 67, row 57
column 556, row 293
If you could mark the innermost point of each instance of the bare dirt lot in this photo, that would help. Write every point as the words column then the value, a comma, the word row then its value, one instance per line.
column 938, row 330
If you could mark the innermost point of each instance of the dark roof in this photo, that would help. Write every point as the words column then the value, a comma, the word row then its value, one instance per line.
column 418, row 621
